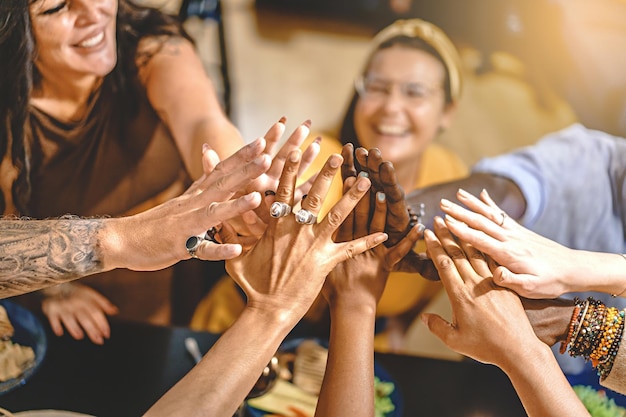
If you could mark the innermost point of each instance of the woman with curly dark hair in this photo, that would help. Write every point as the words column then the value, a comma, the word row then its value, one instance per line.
column 105, row 106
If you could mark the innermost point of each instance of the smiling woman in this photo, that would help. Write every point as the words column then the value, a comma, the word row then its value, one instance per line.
column 96, row 95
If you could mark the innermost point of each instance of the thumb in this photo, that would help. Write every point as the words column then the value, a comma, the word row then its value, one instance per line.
column 503, row 277
column 438, row 326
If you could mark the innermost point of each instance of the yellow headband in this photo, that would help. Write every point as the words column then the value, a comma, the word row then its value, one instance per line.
column 435, row 37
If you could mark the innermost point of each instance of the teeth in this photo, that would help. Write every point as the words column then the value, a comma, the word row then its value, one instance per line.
column 391, row 129
column 92, row 41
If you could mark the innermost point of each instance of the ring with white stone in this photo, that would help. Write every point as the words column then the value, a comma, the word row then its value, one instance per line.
column 279, row 209
column 304, row 216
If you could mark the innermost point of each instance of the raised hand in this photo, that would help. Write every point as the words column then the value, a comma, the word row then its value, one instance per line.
column 533, row 266
column 287, row 267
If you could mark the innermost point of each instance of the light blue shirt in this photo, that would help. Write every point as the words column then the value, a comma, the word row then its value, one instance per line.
column 574, row 183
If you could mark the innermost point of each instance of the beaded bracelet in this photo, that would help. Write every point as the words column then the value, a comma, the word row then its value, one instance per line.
column 593, row 322
column 573, row 324
column 606, row 339
column 605, row 363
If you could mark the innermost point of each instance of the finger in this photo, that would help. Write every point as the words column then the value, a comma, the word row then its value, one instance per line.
column 418, row 263
column 316, row 195
column 72, row 327
column 477, row 237
column 55, row 325
column 379, row 217
column 360, row 159
column 361, row 213
column 228, row 235
column 348, row 250
column 309, row 155
column 346, row 231
column 374, row 159
column 337, row 214
column 397, row 207
column 219, row 212
column 210, row 251
column 486, row 214
column 446, row 269
column 288, row 177
column 347, row 168
column 476, row 259
column 456, row 253
column 93, row 327
column 402, row 248
column 522, row 284
column 293, row 142
column 243, row 156
column 439, row 327
column 273, row 135
column 210, row 159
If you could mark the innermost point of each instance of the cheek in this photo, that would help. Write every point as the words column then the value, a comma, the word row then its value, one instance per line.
column 362, row 116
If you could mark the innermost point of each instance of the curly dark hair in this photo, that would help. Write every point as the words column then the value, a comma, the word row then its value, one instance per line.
column 19, row 75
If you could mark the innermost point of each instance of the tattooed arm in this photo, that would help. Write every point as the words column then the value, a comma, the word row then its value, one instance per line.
column 36, row 254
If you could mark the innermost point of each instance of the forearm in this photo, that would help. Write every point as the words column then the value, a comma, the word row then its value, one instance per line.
column 35, row 254
column 597, row 271
column 540, row 383
column 348, row 388
column 227, row 373
column 503, row 191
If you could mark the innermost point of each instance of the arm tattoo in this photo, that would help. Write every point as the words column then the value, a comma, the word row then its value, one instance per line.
column 35, row 254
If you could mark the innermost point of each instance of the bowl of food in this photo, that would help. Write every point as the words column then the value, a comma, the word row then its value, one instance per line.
column 23, row 345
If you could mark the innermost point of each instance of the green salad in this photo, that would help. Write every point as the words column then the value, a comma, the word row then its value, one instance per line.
column 382, row 402
column 597, row 402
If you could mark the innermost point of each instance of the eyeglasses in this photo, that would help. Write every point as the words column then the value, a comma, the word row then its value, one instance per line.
column 375, row 88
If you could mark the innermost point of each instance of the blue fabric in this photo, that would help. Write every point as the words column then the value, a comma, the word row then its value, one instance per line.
column 573, row 183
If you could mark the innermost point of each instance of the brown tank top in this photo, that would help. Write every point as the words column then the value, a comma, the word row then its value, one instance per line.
column 108, row 165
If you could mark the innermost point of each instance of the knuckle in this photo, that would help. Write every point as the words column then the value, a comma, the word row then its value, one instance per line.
column 334, row 218
column 446, row 264
column 314, row 201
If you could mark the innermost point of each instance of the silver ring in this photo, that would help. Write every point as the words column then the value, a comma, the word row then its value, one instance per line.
column 279, row 209
column 503, row 214
column 304, row 216
column 192, row 244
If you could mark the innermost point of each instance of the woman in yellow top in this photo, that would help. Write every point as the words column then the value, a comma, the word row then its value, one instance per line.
column 405, row 97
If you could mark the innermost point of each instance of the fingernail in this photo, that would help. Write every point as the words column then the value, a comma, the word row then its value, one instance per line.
column 205, row 147
column 307, row 123
column 463, row 192
column 420, row 228
column 260, row 160
column 362, row 185
column 335, row 161
column 318, row 140
column 451, row 219
column 250, row 197
column 381, row 197
column 294, row 155
column 282, row 120
column 445, row 203
column 381, row 238
column 364, row 174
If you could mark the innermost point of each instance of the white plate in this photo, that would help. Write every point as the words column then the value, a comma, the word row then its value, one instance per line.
column 50, row 413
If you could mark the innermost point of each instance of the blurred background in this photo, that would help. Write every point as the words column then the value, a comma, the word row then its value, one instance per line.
column 532, row 66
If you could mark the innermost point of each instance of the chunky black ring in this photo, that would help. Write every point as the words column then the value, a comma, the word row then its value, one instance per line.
column 192, row 244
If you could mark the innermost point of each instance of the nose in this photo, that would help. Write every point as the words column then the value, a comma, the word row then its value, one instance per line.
column 394, row 100
column 87, row 11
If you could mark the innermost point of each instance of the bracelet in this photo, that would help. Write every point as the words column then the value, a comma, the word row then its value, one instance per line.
column 624, row 290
